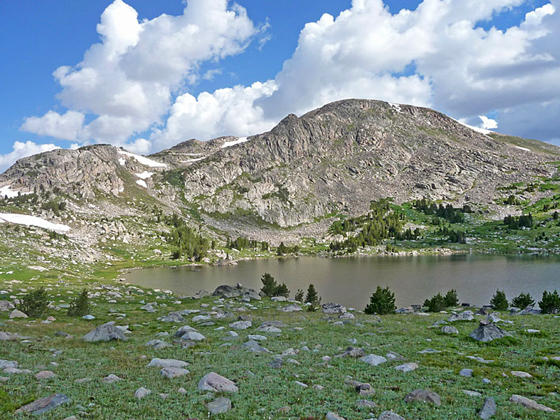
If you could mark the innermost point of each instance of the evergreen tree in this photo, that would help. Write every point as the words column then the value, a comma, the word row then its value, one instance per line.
column 269, row 285
column 381, row 302
column 312, row 296
column 80, row 305
column 499, row 301
column 522, row 301
column 451, row 298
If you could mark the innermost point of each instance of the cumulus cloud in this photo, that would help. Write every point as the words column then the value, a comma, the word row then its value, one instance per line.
column 437, row 55
column 63, row 126
column 21, row 150
column 127, row 80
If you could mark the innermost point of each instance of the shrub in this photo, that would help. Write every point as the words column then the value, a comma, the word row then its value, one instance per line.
column 269, row 285
column 299, row 295
column 550, row 303
column 436, row 303
column 312, row 298
column 381, row 302
column 522, row 301
column 451, row 298
column 35, row 303
column 271, row 288
column 80, row 305
column 499, row 301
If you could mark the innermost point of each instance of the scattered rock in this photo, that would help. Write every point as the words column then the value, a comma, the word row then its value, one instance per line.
column 467, row 373
column 241, row 325
column 16, row 313
column 109, row 379
column 5, row 364
column 333, row 416
column 216, row 383
column 167, row 363
column 88, row 317
column 423, row 395
column 45, row 374
column 389, row 415
column 407, row 367
column 529, row 403
column 142, row 392
column 256, row 337
column 333, row 308
column 487, row 332
column 291, row 308
column 255, row 347
column 43, row 405
column 173, row 372
column 472, row 393
column 488, row 409
column 226, row 291
column 219, row 405
column 352, row 352
column 521, row 374
column 172, row 317
column 105, row 332
column 448, row 329
column 462, row 316
column 373, row 359
column 365, row 404
column 157, row 344
column 6, row 305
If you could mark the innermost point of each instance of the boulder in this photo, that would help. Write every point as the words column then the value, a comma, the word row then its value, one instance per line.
column 105, row 332
column 333, row 416
column 215, row 383
column 6, row 306
column 373, row 359
column 241, row 325
column 255, row 347
column 407, row 367
column 450, row 330
column 228, row 292
column 173, row 372
column 17, row 314
column 487, row 332
column 142, row 392
column 333, row 308
column 167, row 363
column 172, row 317
column 424, row 395
column 291, row 308
column 488, row 409
column 389, row 415
column 43, row 405
column 462, row 316
column 529, row 403
column 219, row 405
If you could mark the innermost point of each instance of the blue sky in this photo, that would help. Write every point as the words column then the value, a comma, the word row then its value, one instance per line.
column 240, row 74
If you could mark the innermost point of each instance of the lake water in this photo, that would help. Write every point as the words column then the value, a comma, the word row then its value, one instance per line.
column 350, row 281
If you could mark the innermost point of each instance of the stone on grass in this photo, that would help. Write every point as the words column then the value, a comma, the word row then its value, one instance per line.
column 193, row 336
column 255, row 347
column 407, row 367
column 6, row 336
column 488, row 409
column 45, row 374
column 365, row 404
column 424, row 395
column 88, row 317
column 389, row 415
column 184, row 329
column 105, row 332
column 109, row 379
column 269, row 329
column 529, row 403
column 257, row 337
column 216, row 383
column 352, row 352
column 463, row 316
column 157, row 344
column 43, row 405
column 16, row 313
column 333, row 416
column 291, row 308
column 142, row 392
column 173, row 372
column 373, row 359
column 219, row 405
column 5, row 364
column 467, row 373
column 472, row 393
column 487, row 332
column 172, row 317
column 448, row 329
column 241, row 325
column 333, row 308
column 521, row 374
column 167, row 363
column 6, row 305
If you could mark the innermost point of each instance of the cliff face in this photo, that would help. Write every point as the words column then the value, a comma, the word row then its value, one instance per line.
column 334, row 159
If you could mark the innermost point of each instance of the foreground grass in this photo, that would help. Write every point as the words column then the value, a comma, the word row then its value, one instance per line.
column 263, row 390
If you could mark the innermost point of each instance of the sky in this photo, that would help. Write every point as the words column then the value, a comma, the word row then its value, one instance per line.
column 146, row 75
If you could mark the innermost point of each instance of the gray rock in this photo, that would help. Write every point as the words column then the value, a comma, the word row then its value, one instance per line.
column 488, row 409
column 157, row 344
column 529, row 310
column 173, row 372
column 291, row 308
column 44, row 374
column 333, row 416
column 466, row 373
column 43, row 405
column 219, row 405
column 257, row 337
column 424, row 395
column 333, row 308
column 142, row 392
column 488, row 332
column 521, row 374
column 462, row 316
column 448, row 329
column 407, row 367
column 216, row 383
column 352, row 352
column 4, row 364
column 193, row 336
column 148, row 307
column 6, row 336
column 167, row 363
column 226, row 291
column 365, row 404
column 472, row 393
column 241, row 325
column 389, row 415
column 16, row 313
column 6, row 306
column 529, row 403
column 271, row 329
column 276, row 363
column 255, row 347
column 105, row 332
column 88, row 317
column 172, row 317
column 109, row 379
column 373, row 359
column 394, row 356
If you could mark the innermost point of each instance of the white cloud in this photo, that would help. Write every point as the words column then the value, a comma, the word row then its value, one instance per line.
column 488, row 123
column 21, row 150
column 66, row 126
column 127, row 80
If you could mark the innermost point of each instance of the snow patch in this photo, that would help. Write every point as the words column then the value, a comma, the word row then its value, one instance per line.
column 193, row 160
column 6, row 191
column 122, row 161
column 142, row 183
column 522, row 148
column 24, row 219
column 234, row 142
column 143, row 160
column 144, row 175
column 477, row 129
column 193, row 154
column 396, row 107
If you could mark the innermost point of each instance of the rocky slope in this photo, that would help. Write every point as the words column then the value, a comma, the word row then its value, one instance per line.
column 335, row 159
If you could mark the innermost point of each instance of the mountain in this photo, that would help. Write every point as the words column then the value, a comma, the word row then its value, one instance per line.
column 285, row 184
